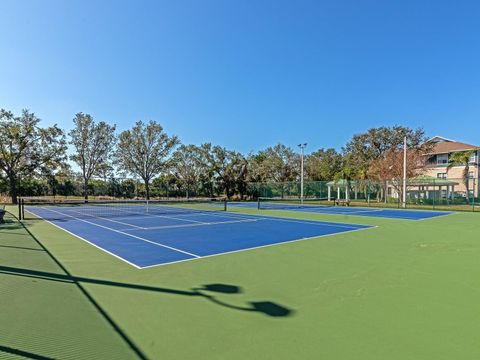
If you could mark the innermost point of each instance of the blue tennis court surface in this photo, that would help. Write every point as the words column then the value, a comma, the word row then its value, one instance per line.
column 145, row 240
column 344, row 210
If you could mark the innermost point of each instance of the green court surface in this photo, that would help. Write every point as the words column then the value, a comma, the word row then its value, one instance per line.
column 402, row 290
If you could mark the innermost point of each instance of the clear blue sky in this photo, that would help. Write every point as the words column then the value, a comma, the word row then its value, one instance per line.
column 247, row 74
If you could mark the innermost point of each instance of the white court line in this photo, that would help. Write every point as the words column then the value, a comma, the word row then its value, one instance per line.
column 365, row 211
column 87, row 241
column 106, row 219
column 355, row 212
column 173, row 217
column 233, row 215
column 400, row 217
column 314, row 222
column 194, row 225
column 436, row 216
column 259, row 247
column 124, row 233
column 149, row 215
column 196, row 257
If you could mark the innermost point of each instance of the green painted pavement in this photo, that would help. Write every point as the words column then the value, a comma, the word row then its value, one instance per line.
column 403, row 290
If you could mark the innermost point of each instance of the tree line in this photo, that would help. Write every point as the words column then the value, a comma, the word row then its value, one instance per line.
column 146, row 151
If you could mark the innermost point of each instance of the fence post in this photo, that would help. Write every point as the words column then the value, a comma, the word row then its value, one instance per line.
column 434, row 195
column 473, row 195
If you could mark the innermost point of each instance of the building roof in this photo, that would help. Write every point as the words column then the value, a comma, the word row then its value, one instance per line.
column 424, row 180
column 444, row 145
column 342, row 183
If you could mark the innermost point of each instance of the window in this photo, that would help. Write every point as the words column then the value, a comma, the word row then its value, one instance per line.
column 442, row 159
column 441, row 175
column 473, row 158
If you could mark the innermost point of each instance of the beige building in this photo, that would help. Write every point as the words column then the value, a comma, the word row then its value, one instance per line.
column 438, row 163
column 438, row 182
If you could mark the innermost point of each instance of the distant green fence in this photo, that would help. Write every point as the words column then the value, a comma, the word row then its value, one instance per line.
column 423, row 192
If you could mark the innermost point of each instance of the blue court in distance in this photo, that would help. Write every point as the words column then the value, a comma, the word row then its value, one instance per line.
column 150, row 239
column 404, row 214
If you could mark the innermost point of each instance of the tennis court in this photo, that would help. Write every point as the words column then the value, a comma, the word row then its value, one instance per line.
column 148, row 234
column 295, row 205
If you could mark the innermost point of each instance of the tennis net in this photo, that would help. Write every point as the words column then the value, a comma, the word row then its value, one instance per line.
column 292, row 203
column 64, row 209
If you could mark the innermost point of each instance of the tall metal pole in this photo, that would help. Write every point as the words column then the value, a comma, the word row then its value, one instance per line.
column 404, row 195
column 301, row 146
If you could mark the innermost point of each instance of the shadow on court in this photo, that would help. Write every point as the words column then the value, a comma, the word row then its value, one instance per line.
column 23, row 354
column 206, row 291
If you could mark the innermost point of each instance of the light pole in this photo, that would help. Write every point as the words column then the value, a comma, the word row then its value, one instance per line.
column 301, row 146
column 404, row 188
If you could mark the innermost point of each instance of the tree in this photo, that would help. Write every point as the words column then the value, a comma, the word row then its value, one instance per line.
column 256, row 168
column 104, row 171
column 187, row 166
column 390, row 166
column 364, row 148
column 26, row 148
column 228, row 168
column 144, row 151
column 462, row 158
column 278, row 164
column 93, row 145
column 323, row 164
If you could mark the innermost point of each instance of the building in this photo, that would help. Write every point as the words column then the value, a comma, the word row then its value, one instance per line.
column 437, row 166
column 435, row 183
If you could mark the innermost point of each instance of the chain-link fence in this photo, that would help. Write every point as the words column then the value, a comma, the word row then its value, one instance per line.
column 72, row 187
column 422, row 192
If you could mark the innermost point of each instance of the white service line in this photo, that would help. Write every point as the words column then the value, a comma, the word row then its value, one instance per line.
column 174, row 218
column 87, row 241
column 235, row 215
column 106, row 219
column 124, row 233
column 259, row 247
column 314, row 222
column 356, row 212
column 230, row 215
column 194, row 225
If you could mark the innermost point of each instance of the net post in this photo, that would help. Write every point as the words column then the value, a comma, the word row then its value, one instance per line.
column 225, row 204
column 22, row 202
column 20, row 209
column 258, row 203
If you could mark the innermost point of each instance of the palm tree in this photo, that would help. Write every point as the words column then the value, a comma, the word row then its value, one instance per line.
column 462, row 158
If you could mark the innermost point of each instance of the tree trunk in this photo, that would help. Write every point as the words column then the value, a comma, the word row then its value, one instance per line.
column 147, row 189
column 85, row 188
column 13, row 188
